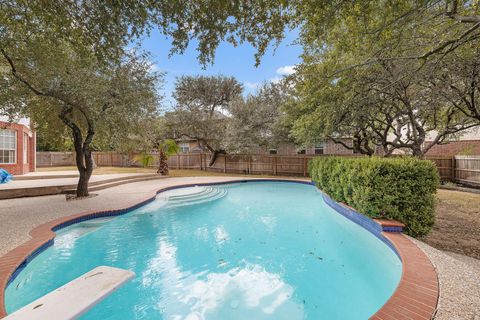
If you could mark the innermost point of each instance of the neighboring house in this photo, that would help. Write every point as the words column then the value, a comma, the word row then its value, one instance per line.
column 326, row 147
column 187, row 145
column 17, row 146
column 466, row 144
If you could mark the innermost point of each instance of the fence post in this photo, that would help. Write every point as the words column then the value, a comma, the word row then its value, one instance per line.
column 304, row 165
column 275, row 165
column 224, row 163
column 178, row 162
column 454, row 163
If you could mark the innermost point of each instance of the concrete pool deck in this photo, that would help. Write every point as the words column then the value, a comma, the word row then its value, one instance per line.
column 19, row 216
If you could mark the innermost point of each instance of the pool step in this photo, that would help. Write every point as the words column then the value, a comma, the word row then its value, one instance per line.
column 201, row 196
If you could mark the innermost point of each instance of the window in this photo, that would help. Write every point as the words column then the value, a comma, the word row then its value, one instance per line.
column 184, row 147
column 319, row 148
column 25, row 148
column 272, row 151
column 8, row 146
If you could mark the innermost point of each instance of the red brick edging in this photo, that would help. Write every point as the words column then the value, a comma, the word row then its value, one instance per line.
column 415, row 297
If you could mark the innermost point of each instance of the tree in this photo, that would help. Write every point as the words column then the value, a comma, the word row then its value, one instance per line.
column 407, row 31
column 108, row 28
column 87, row 97
column 155, row 136
column 49, row 40
column 166, row 148
column 456, row 81
column 202, row 110
column 378, row 107
column 257, row 120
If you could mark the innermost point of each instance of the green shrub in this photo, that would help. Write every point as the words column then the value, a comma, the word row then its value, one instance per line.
column 402, row 189
column 145, row 159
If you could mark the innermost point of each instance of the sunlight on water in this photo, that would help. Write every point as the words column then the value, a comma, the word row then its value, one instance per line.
column 268, row 250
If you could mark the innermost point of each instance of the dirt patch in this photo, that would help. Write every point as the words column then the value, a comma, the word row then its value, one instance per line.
column 457, row 225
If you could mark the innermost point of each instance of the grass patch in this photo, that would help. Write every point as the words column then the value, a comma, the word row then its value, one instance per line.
column 457, row 223
column 174, row 173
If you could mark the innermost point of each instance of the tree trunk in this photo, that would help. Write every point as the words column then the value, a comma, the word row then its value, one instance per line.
column 84, row 162
column 82, row 185
column 215, row 154
column 83, row 154
column 418, row 152
column 162, row 163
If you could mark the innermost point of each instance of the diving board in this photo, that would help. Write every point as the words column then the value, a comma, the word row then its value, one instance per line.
column 76, row 297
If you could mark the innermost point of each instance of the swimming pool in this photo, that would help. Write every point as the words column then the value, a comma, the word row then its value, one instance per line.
column 258, row 250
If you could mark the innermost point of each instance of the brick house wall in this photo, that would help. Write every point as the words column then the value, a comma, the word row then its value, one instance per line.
column 452, row 148
column 330, row 147
column 20, row 167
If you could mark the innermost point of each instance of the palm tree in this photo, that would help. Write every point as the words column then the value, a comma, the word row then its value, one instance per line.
column 166, row 148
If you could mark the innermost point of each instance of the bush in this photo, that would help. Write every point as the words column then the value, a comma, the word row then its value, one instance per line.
column 145, row 159
column 401, row 189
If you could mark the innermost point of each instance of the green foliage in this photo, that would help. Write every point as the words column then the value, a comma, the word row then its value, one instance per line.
column 169, row 147
column 257, row 120
column 202, row 103
column 402, row 189
column 108, row 28
column 145, row 159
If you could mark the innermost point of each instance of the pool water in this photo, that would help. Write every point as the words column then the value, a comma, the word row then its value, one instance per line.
column 256, row 250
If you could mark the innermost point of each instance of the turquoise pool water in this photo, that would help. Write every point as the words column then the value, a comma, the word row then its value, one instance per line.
column 256, row 250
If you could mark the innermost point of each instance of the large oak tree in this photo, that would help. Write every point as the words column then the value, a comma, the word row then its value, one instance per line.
column 202, row 110
column 87, row 97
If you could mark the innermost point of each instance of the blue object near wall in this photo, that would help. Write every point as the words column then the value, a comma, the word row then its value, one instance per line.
column 5, row 176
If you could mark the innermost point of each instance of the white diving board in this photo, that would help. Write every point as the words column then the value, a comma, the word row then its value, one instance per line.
column 76, row 297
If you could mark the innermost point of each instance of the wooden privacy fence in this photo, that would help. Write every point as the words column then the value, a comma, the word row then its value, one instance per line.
column 467, row 169
column 464, row 169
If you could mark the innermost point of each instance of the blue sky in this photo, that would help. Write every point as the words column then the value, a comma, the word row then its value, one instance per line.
column 230, row 61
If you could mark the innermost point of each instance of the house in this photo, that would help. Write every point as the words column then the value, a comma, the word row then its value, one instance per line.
column 17, row 146
column 325, row 147
column 187, row 145
column 468, row 143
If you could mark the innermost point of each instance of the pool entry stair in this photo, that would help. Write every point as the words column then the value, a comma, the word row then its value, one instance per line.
column 194, row 195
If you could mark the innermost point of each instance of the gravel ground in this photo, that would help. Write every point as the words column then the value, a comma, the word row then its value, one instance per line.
column 459, row 278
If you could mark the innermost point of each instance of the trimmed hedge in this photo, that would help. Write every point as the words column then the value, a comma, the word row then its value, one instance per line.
column 402, row 189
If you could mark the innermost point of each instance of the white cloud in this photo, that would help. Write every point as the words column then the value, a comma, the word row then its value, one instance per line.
column 286, row 70
column 251, row 85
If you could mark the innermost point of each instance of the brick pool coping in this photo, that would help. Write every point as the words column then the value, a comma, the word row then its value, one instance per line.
column 416, row 296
